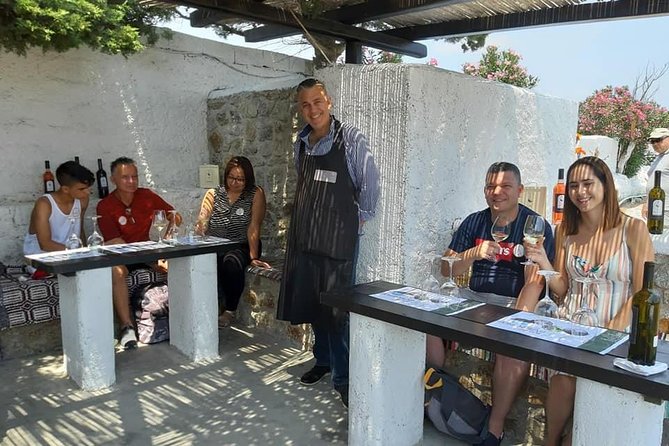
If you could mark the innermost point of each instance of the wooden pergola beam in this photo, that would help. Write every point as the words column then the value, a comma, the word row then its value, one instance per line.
column 359, row 13
column 591, row 12
column 254, row 11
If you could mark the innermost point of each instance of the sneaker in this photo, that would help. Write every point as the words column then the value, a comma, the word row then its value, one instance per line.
column 314, row 375
column 128, row 338
column 491, row 440
column 343, row 394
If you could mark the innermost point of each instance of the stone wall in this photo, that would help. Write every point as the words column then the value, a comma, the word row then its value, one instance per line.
column 260, row 125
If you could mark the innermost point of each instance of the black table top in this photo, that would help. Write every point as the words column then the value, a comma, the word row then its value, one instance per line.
column 469, row 328
column 107, row 259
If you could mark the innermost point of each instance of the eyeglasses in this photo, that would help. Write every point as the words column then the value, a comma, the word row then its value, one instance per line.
column 237, row 179
column 656, row 140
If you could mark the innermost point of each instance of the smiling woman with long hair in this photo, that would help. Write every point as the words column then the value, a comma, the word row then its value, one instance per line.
column 596, row 240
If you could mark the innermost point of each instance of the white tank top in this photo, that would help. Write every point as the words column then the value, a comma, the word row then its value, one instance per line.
column 61, row 226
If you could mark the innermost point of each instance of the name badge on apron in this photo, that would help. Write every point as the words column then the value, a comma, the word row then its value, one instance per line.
column 327, row 176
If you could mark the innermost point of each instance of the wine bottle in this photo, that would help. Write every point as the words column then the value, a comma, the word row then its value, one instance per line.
column 656, row 206
column 48, row 178
column 645, row 320
column 101, row 178
column 76, row 160
column 558, row 198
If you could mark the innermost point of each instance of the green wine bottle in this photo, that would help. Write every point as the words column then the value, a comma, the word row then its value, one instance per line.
column 645, row 319
column 656, row 206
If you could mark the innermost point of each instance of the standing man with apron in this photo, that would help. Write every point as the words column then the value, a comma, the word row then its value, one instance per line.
column 337, row 191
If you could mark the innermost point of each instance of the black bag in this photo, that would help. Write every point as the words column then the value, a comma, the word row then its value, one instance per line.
column 151, row 305
column 453, row 409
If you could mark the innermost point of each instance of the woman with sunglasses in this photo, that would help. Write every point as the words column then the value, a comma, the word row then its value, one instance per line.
column 235, row 210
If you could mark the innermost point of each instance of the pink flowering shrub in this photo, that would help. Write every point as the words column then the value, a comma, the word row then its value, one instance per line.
column 503, row 67
column 614, row 112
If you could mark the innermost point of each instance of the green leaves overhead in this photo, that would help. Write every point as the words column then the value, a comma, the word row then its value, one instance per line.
column 60, row 25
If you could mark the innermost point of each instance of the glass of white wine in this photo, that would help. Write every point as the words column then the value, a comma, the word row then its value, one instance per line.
column 533, row 231
column 159, row 223
column 500, row 230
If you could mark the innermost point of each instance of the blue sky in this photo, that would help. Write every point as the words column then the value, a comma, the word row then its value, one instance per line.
column 571, row 61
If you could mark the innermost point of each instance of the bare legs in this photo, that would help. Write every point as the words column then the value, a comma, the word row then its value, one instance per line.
column 559, row 408
column 120, row 295
column 436, row 353
column 508, row 377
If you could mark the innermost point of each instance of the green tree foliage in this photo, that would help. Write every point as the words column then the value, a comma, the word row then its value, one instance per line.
column 60, row 25
column 503, row 66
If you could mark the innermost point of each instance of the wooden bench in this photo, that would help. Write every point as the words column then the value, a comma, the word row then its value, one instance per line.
column 30, row 312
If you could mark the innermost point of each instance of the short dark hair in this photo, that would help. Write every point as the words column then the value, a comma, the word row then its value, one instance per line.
column 503, row 166
column 71, row 172
column 243, row 163
column 572, row 216
column 123, row 160
column 311, row 83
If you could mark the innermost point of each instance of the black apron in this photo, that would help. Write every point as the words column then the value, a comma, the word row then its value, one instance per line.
column 323, row 234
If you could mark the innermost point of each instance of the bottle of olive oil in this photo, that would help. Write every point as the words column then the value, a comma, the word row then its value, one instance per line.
column 645, row 319
column 656, row 206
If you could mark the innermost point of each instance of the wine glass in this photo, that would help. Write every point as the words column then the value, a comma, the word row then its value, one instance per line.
column 533, row 231
column 585, row 315
column 95, row 240
column 201, row 228
column 73, row 241
column 546, row 306
column 173, row 233
column 500, row 229
column 159, row 223
column 431, row 284
column 449, row 287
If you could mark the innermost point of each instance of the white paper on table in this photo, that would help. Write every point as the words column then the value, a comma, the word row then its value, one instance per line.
column 123, row 248
column 69, row 254
column 530, row 324
column 423, row 300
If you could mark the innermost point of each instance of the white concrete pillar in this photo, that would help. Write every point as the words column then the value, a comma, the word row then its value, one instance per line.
column 614, row 417
column 86, row 320
column 386, row 370
column 194, row 306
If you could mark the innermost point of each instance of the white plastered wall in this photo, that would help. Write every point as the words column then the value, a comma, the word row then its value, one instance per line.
column 150, row 106
column 434, row 133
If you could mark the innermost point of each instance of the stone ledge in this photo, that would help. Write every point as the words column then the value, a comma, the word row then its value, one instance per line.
column 258, row 309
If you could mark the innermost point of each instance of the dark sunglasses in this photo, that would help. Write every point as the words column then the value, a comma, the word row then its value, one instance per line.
column 654, row 140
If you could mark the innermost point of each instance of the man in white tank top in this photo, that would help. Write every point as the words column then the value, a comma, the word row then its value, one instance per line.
column 56, row 215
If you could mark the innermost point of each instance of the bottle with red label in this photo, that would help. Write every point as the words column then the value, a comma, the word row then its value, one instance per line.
column 48, row 179
column 558, row 198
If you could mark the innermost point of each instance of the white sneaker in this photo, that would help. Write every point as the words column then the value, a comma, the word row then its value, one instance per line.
column 128, row 338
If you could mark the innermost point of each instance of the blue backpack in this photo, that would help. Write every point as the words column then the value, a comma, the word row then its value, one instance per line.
column 453, row 409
